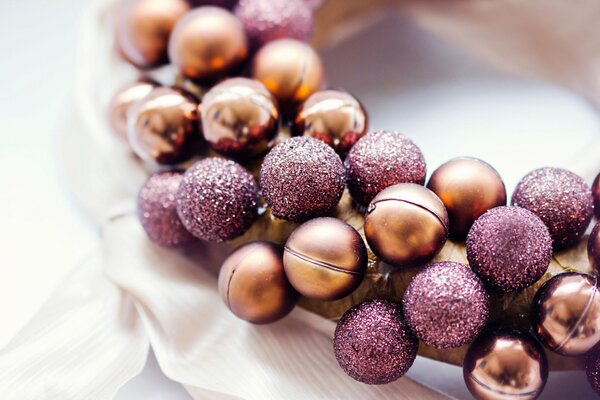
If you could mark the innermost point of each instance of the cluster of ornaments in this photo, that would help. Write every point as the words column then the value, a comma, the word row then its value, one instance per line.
column 255, row 73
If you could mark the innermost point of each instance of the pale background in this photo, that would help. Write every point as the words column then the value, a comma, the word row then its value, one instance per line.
column 408, row 81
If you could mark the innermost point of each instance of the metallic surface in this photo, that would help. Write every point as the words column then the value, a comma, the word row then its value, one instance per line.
column 207, row 43
column 144, row 27
column 505, row 364
column 290, row 69
column 593, row 248
column 162, row 126
column 596, row 195
column 566, row 313
column 325, row 259
column 468, row 187
column 122, row 100
column 253, row 285
column 239, row 117
column 406, row 225
column 333, row 116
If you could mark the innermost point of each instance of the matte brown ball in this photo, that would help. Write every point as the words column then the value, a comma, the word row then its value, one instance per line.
column 253, row 285
column 325, row 259
column 406, row 225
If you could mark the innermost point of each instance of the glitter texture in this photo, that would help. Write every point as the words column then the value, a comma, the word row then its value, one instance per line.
column 373, row 344
column 268, row 20
column 157, row 211
column 592, row 370
column 446, row 305
column 561, row 199
column 381, row 159
column 302, row 178
column 217, row 199
column 509, row 248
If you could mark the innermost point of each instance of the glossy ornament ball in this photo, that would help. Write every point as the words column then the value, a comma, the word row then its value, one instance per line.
column 302, row 178
column 468, row 187
column 566, row 313
column 144, row 28
column 253, row 285
column 561, row 199
column 122, row 100
column 334, row 117
column 596, row 195
column 373, row 344
column 509, row 248
column 217, row 199
column 325, row 259
column 448, row 295
column 406, row 225
column 207, row 44
column 163, row 126
column 592, row 370
column 505, row 364
column 382, row 159
column 239, row 117
column 290, row 69
column 593, row 248
column 268, row 20
column 157, row 211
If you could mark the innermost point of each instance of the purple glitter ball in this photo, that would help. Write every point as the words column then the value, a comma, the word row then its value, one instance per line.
column 157, row 211
column 561, row 199
column 446, row 305
column 268, row 20
column 381, row 159
column 592, row 370
column 217, row 199
column 302, row 178
column 509, row 248
column 373, row 344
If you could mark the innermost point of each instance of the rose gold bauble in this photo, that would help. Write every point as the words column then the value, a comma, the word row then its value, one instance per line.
column 468, row 187
column 239, row 117
column 290, row 69
column 163, row 126
column 207, row 43
column 333, row 116
column 122, row 100
column 144, row 27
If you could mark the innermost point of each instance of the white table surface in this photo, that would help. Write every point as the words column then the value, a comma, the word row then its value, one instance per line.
column 409, row 81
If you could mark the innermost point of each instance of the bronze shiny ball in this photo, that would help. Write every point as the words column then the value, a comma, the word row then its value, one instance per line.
column 406, row 225
column 505, row 364
column 239, row 117
column 290, row 69
column 566, row 313
column 144, row 28
column 468, row 187
column 335, row 117
column 596, row 195
column 207, row 44
column 253, row 285
column 593, row 248
column 122, row 100
column 325, row 259
column 163, row 126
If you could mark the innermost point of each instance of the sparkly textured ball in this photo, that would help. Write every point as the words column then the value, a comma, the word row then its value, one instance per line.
column 596, row 195
column 446, row 294
column 592, row 370
column 302, row 178
column 157, row 210
column 561, row 199
column 217, row 199
column 509, row 248
column 593, row 248
column 268, row 20
column 382, row 159
column 122, row 100
column 373, row 344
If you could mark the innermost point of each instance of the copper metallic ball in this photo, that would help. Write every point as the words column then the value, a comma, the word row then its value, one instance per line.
column 144, row 28
column 468, row 187
column 566, row 313
column 253, row 285
column 122, row 100
column 207, row 44
column 335, row 117
column 239, row 117
column 593, row 248
column 163, row 126
column 596, row 195
column 325, row 259
column 290, row 69
column 406, row 225
column 505, row 364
